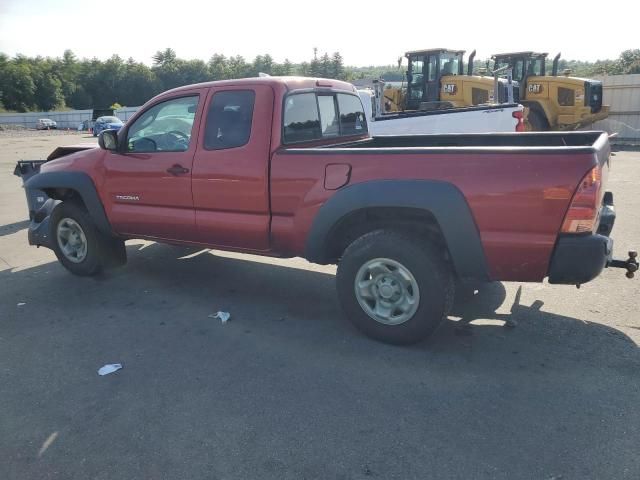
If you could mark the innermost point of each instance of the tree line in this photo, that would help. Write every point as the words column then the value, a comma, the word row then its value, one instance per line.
column 43, row 84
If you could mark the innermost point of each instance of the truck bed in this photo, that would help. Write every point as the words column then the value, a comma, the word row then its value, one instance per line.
column 582, row 142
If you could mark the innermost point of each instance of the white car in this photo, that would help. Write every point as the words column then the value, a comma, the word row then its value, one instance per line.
column 46, row 124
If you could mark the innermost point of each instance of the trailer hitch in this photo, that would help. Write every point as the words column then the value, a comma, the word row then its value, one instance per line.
column 630, row 264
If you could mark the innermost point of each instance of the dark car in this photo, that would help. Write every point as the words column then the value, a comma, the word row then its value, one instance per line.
column 106, row 123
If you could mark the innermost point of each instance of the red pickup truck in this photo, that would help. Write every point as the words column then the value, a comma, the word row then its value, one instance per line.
column 285, row 167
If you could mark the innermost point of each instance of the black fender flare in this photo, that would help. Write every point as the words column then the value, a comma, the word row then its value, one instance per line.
column 443, row 200
column 79, row 182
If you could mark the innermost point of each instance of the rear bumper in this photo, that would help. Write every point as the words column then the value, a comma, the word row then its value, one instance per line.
column 579, row 259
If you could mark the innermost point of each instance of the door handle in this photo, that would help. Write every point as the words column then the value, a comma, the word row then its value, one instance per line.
column 177, row 170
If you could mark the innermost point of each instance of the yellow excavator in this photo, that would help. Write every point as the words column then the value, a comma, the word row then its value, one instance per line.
column 555, row 102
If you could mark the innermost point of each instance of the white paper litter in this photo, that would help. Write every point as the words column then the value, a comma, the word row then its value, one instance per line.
column 109, row 368
column 223, row 316
column 21, row 304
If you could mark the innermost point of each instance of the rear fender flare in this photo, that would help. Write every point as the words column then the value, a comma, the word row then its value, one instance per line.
column 83, row 185
column 443, row 200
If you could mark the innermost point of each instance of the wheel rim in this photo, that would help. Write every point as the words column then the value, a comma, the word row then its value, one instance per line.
column 387, row 291
column 71, row 240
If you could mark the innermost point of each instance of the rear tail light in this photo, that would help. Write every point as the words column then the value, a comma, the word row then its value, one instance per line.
column 518, row 116
column 582, row 215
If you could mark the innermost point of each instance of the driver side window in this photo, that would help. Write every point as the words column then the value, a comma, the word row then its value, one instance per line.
column 165, row 127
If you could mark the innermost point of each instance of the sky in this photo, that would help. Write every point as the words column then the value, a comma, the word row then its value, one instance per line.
column 365, row 33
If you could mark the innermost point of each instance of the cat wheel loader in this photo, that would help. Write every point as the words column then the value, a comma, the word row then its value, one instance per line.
column 555, row 102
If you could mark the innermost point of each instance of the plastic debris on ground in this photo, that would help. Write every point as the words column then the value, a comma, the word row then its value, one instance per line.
column 21, row 304
column 223, row 316
column 109, row 368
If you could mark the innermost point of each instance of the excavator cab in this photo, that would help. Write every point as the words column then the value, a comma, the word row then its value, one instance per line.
column 425, row 74
column 523, row 64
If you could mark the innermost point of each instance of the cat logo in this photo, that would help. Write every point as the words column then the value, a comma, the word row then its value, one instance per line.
column 450, row 88
column 534, row 88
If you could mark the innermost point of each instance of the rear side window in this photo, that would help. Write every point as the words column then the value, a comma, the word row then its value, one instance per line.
column 301, row 118
column 352, row 121
column 310, row 116
column 229, row 119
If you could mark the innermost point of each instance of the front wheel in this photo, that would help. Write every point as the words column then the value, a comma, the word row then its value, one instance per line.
column 394, row 288
column 78, row 244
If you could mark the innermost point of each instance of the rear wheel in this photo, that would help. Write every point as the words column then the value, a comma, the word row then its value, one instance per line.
column 79, row 246
column 394, row 288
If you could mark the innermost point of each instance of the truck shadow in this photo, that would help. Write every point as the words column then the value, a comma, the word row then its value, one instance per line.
column 12, row 228
column 280, row 299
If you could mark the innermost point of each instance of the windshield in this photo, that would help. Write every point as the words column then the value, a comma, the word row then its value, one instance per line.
column 449, row 64
column 110, row 119
column 164, row 127
column 516, row 64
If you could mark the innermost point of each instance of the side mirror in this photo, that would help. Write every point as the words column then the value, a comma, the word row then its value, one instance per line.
column 108, row 140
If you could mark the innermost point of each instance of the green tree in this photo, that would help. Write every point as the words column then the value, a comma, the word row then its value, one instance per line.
column 267, row 64
column 314, row 68
column 18, row 91
column 138, row 84
column 287, row 67
column 238, row 67
column 218, row 67
column 48, row 90
column 325, row 66
column 337, row 66
column 629, row 61
column 168, row 55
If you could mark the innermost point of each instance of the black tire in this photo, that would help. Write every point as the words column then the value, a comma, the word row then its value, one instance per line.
column 102, row 251
column 433, row 276
column 536, row 121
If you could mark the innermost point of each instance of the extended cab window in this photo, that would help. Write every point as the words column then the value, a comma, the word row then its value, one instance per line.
column 328, row 116
column 352, row 120
column 165, row 127
column 308, row 116
column 229, row 119
column 301, row 118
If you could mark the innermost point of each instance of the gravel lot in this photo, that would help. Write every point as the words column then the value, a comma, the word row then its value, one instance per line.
column 11, row 131
column 287, row 388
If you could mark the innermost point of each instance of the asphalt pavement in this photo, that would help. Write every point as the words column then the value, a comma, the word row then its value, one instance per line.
column 543, row 383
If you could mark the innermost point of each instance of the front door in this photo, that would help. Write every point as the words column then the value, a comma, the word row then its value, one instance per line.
column 148, row 183
column 231, row 168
